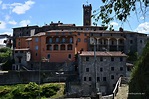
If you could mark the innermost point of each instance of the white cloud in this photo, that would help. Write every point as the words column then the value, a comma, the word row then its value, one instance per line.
column 19, row 8
column 24, row 22
column 7, row 17
column 0, row 2
column 13, row 22
column 143, row 27
column 2, row 25
column 114, row 23
column 5, row 6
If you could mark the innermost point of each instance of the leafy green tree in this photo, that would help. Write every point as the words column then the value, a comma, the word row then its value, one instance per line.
column 120, row 9
column 140, row 77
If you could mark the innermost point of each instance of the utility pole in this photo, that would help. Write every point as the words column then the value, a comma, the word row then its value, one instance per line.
column 96, row 90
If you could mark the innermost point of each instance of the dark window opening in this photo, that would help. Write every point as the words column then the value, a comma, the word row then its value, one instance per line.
column 69, row 56
column 87, row 58
column 112, row 58
column 48, row 56
column 121, row 59
column 101, row 58
column 112, row 68
column 84, row 78
column 104, row 79
column 112, row 76
column 90, row 79
column 98, row 79
column 101, row 69
column 87, row 69
column 121, row 68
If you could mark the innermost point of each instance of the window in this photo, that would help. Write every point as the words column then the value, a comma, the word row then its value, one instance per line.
column 63, row 40
column 101, row 58
column 21, row 51
column 131, row 41
column 112, row 42
column 84, row 78
column 85, row 40
column 50, row 40
column 18, row 43
column 121, row 59
column 121, row 68
column 140, row 41
column 85, row 34
column 69, row 47
column 36, row 39
column 36, row 54
column 16, row 51
column 78, row 33
column 62, row 47
column 101, row 69
column 69, row 55
column 55, row 47
column 121, row 41
column 112, row 58
column 90, row 79
column 79, row 40
column 104, row 79
column 87, row 58
column 36, row 47
column 128, row 69
column 71, row 40
column 112, row 76
column 87, row 69
column 98, row 79
column 48, row 56
column 112, row 68
column 57, row 40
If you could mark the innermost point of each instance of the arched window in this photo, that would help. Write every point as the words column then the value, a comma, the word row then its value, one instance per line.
column 49, row 47
column 55, row 47
column 62, row 47
column 69, row 47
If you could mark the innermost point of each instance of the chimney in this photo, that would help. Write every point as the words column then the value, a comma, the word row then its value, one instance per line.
column 121, row 29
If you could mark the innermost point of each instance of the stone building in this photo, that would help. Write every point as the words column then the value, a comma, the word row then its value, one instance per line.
column 21, row 57
column 121, row 40
column 99, row 71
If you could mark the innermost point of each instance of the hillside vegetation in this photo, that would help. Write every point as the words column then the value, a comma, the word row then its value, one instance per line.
column 31, row 91
column 139, row 83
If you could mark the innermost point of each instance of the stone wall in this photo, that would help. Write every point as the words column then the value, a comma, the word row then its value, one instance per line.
column 15, row 77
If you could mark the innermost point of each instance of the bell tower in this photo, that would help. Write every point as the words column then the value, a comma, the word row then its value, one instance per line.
column 87, row 10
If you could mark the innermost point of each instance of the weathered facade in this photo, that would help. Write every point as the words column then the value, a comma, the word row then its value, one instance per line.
column 99, row 71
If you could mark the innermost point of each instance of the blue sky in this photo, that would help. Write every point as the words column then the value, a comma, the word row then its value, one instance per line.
column 17, row 13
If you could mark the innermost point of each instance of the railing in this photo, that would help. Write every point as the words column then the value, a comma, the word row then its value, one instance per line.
column 121, row 80
column 118, row 84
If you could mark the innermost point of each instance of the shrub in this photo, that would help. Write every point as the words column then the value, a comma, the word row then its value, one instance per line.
column 49, row 90
column 4, row 91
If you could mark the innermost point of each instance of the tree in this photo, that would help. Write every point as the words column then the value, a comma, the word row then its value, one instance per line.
column 119, row 9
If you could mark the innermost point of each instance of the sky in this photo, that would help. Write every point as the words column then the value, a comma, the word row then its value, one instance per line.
column 17, row 13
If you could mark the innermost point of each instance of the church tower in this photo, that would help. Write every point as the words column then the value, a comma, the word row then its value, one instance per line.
column 87, row 12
